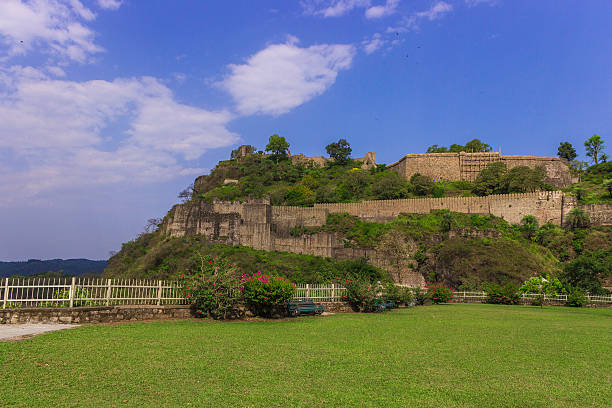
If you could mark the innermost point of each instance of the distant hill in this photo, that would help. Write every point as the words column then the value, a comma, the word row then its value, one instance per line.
column 71, row 267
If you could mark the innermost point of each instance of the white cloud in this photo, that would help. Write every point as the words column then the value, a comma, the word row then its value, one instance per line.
column 373, row 44
column 52, row 26
column 390, row 7
column 110, row 4
column 332, row 8
column 66, row 134
column 435, row 12
column 284, row 76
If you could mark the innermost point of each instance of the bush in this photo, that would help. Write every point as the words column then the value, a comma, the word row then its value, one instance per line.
column 363, row 296
column 543, row 285
column 577, row 218
column 265, row 294
column 215, row 290
column 576, row 298
column 439, row 293
column 406, row 296
column 501, row 295
column 420, row 297
column 394, row 293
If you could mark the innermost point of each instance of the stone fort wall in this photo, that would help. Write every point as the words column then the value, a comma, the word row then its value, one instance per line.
column 466, row 166
column 259, row 225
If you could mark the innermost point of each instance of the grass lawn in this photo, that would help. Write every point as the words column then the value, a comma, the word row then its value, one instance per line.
column 460, row 355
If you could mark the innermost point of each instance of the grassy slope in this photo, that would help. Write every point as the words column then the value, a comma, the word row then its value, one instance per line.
column 455, row 355
column 592, row 184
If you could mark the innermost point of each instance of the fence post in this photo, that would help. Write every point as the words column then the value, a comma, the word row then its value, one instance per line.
column 72, row 285
column 108, row 292
column 159, row 292
column 5, row 300
column 307, row 290
column 333, row 295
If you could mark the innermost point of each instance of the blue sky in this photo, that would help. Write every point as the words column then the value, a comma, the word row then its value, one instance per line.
column 109, row 108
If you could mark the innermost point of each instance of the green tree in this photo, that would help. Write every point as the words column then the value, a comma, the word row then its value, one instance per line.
column 603, row 157
column 278, row 147
column 475, row 146
column 566, row 151
column 340, row 151
column 577, row 218
column 594, row 145
column 388, row 186
column 588, row 269
column 421, row 185
column 437, row 149
column 355, row 184
column 529, row 226
column 522, row 179
column 489, row 180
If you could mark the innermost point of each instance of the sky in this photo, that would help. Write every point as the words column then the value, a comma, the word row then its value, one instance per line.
column 109, row 108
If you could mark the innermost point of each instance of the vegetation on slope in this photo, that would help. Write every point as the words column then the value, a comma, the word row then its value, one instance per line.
column 154, row 256
column 595, row 185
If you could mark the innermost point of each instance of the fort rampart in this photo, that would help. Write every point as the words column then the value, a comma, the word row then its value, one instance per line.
column 259, row 225
column 466, row 166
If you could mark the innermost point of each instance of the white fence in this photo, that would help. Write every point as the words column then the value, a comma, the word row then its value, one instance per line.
column 73, row 292
column 319, row 292
column 527, row 298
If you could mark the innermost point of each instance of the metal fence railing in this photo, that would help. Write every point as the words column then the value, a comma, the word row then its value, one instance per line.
column 75, row 292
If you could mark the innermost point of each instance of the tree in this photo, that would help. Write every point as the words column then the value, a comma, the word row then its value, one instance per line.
column 152, row 224
column 242, row 151
column 437, row 149
column 522, row 179
column 594, row 145
column 603, row 157
column 577, row 218
column 475, row 146
column 388, row 186
column 278, row 147
column 566, row 151
column 339, row 151
column 489, row 180
column 421, row 185
column 186, row 194
column 588, row 269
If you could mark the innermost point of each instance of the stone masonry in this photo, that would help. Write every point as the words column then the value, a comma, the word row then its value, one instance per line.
column 466, row 166
column 259, row 225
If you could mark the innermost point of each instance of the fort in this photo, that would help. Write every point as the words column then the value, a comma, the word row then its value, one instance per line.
column 259, row 225
column 466, row 166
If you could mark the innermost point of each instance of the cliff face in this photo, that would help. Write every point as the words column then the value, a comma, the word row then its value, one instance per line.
column 259, row 225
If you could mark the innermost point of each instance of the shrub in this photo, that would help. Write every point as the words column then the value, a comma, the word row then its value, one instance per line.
column 215, row 290
column 407, row 297
column 394, row 293
column 576, row 298
column 264, row 294
column 363, row 296
column 543, row 285
column 439, row 293
column 501, row 295
column 420, row 297
column 577, row 218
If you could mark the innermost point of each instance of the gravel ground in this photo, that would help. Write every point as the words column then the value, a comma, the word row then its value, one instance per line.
column 12, row 332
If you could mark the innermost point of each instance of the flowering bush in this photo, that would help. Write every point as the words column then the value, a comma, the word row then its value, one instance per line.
column 501, row 295
column 264, row 293
column 215, row 290
column 363, row 296
column 420, row 296
column 439, row 293
column 394, row 293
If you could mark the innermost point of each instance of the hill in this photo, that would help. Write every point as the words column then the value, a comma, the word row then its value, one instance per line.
column 69, row 267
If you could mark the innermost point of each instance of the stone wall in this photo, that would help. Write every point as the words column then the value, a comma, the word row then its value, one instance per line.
column 259, row 225
column 98, row 314
column 466, row 166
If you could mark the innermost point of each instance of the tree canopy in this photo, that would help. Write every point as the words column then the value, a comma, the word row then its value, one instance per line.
column 277, row 146
column 473, row 146
column 566, row 151
column 594, row 145
column 340, row 151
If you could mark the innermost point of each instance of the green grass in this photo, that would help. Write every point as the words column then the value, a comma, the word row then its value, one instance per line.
column 437, row 356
